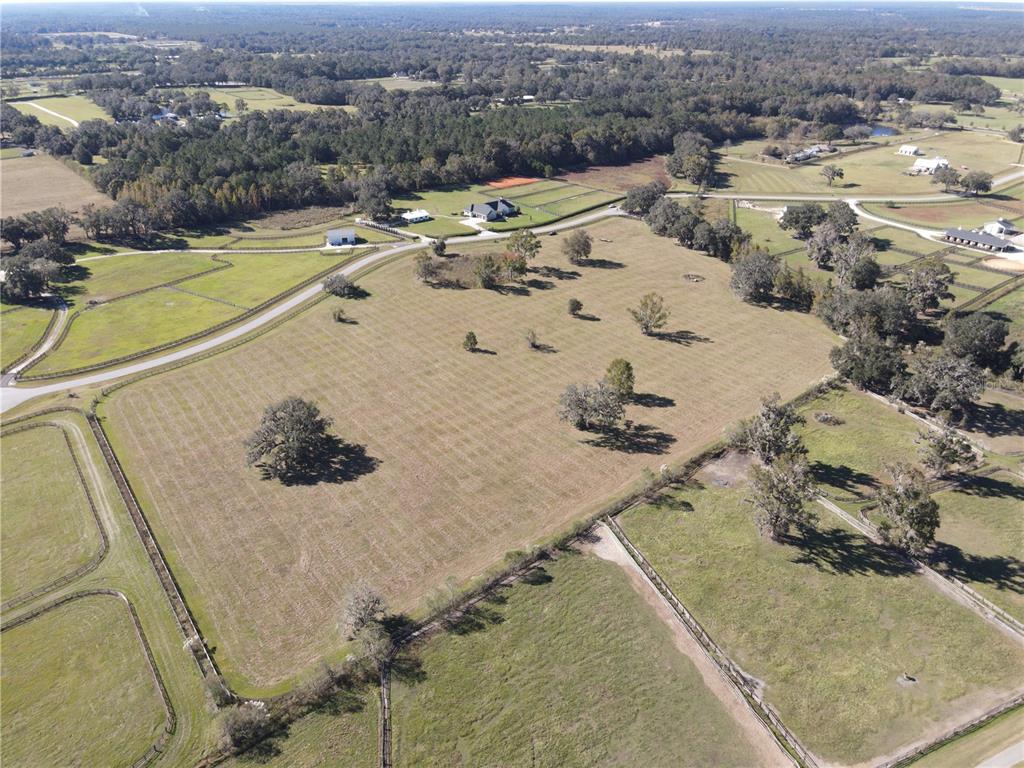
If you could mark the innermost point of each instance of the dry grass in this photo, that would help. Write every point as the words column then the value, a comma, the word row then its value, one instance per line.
column 472, row 459
column 619, row 178
column 34, row 183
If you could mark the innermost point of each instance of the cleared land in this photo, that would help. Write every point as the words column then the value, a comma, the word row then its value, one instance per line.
column 619, row 178
column 261, row 99
column 829, row 622
column 163, row 315
column 997, row 117
column 49, row 528
column 78, row 108
column 876, row 171
column 51, row 666
column 472, row 461
column 399, row 83
column 981, row 540
column 966, row 213
column 20, row 329
column 37, row 182
column 550, row 670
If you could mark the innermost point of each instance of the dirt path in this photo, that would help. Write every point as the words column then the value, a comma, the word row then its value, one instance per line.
column 607, row 547
column 41, row 108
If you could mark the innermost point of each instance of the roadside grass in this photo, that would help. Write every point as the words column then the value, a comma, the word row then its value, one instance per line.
column 163, row 315
column 341, row 734
column 550, row 668
column 970, row 214
column 978, row 746
column 311, row 240
column 471, row 460
column 49, row 529
column 764, row 228
column 76, row 107
column 981, row 540
column 829, row 622
column 68, row 673
column 80, row 672
column 876, row 171
column 20, row 329
column 848, row 459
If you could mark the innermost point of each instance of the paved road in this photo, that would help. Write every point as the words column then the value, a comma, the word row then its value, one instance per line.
column 11, row 395
column 1008, row 758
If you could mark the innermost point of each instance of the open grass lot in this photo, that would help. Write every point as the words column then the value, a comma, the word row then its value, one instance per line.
column 997, row 117
column 260, row 99
column 306, row 237
column 103, row 279
column 978, row 746
column 34, row 183
column 829, row 622
column 442, row 226
column 981, row 278
column 80, row 672
column 962, row 213
column 1010, row 86
column 981, row 540
column 518, row 684
column 886, row 238
column 848, row 459
column 1011, row 309
column 764, row 228
column 877, row 171
column 619, row 178
column 342, row 734
column 77, row 108
column 399, row 83
column 471, row 460
column 20, row 329
column 163, row 315
column 49, row 529
column 996, row 421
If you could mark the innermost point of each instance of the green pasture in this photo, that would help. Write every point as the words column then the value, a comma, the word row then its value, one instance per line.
column 260, row 99
column 49, row 529
column 982, row 278
column 977, row 746
column 829, row 622
column 20, row 329
column 399, row 83
column 885, row 238
column 78, row 108
column 570, row 667
column 1013, row 86
column 969, row 214
column 78, row 671
column 103, row 279
column 764, row 228
column 1000, row 116
column 1010, row 308
column 440, row 226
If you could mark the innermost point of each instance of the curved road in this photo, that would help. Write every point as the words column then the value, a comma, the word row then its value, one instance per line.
column 11, row 396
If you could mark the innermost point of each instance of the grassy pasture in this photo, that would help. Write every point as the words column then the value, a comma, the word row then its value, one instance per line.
column 80, row 672
column 49, row 529
column 829, row 622
column 1012, row 86
column 877, row 171
column 77, row 108
column 764, row 228
column 106, row 278
column 978, row 746
column 970, row 214
column 38, row 182
column 261, row 99
column 619, row 178
column 518, row 682
column 399, row 83
column 996, row 422
column 982, row 278
column 163, row 315
column 997, row 117
column 20, row 328
column 1011, row 309
column 472, row 460
column 893, row 237
column 442, row 226
column 981, row 540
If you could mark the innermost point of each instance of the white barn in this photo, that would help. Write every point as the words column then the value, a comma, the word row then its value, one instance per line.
column 908, row 150
column 339, row 237
column 921, row 165
column 415, row 217
column 1000, row 227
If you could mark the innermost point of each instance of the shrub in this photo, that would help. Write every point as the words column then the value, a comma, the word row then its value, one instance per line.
column 469, row 343
column 575, row 307
column 244, row 725
column 339, row 315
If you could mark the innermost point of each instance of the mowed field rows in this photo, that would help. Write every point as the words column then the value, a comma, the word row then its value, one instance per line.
column 466, row 457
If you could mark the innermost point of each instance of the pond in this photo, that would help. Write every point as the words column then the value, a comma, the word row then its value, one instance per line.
column 883, row 130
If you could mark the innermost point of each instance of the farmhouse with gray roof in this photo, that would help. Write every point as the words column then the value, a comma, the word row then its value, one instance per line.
column 491, row 210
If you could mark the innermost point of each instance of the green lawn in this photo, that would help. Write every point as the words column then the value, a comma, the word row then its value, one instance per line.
column 997, row 117
column 1013, row 86
column 106, row 278
column 20, row 329
column 10, row 152
column 163, row 315
column 982, row 278
column 78, row 671
column 981, row 540
column 78, row 108
column 342, row 734
column 977, row 746
column 440, row 226
column 1011, row 309
column 570, row 668
column 764, row 228
column 888, row 237
column 829, row 622
column 48, row 527
column 260, row 99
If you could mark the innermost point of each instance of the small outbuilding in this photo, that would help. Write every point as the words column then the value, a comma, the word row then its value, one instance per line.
column 492, row 210
column 929, row 166
column 977, row 239
column 908, row 150
column 415, row 217
column 1000, row 227
column 339, row 237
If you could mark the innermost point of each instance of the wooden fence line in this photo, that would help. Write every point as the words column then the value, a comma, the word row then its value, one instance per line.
column 54, row 314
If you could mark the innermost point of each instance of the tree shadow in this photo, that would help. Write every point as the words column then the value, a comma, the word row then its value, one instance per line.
column 991, row 488
column 482, row 351
column 588, row 317
column 842, row 477
column 337, row 462
column 650, row 400
column 994, row 419
column 1003, row 573
column 511, row 290
column 407, row 666
column 834, row 550
column 633, row 438
column 557, row 273
column 540, row 346
column 602, row 264
column 474, row 618
column 537, row 577
column 540, row 285
column 448, row 283
column 266, row 750
column 685, row 338
column 357, row 292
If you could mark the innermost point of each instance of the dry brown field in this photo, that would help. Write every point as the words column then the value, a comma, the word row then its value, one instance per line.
column 34, row 183
column 619, row 178
column 469, row 460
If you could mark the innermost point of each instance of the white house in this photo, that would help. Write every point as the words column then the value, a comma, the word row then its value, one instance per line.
column 1000, row 227
column 415, row 217
column 908, row 150
column 338, row 237
column 921, row 165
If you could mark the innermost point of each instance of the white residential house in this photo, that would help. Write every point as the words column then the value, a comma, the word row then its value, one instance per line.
column 339, row 237
column 1000, row 227
column 908, row 150
column 415, row 217
column 922, row 165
